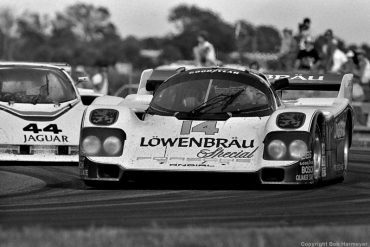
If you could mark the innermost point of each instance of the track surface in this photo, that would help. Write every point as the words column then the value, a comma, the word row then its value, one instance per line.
column 57, row 198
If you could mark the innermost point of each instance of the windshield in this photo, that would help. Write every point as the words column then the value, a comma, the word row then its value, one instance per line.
column 35, row 85
column 211, row 96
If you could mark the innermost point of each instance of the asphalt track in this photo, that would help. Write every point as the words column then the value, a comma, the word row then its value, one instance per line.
column 52, row 196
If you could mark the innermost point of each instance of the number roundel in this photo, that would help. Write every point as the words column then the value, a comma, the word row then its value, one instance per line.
column 32, row 127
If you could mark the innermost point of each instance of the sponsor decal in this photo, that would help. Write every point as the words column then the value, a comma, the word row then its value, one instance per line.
column 103, row 116
column 306, row 163
column 38, row 135
column 296, row 77
column 210, row 147
column 290, row 120
column 305, row 177
column 186, row 142
column 221, row 153
column 340, row 127
column 226, row 71
column 306, row 170
column 323, row 166
column 202, row 164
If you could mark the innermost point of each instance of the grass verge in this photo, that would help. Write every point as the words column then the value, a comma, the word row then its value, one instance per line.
column 317, row 236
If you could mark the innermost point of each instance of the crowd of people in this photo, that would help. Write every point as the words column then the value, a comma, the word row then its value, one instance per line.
column 97, row 78
column 301, row 52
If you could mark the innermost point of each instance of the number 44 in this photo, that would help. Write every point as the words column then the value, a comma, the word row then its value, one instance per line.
column 208, row 127
column 50, row 128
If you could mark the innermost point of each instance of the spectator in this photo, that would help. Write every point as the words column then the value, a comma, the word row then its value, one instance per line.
column 204, row 52
column 81, row 72
column 304, row 33
column 363, row 72
column 328, row 49
column 100, row 80
column 288, row 50
column 339, row 60
column 254, row 65
column 307, row 59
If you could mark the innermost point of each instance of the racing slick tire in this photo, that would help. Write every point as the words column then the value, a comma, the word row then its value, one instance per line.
column 345, row 153
column 317, row 147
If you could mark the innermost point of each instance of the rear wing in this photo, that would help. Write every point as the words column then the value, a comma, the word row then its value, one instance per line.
column 151, row 79
column 326, row 82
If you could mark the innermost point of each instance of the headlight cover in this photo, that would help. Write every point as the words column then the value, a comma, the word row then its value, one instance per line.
column 277, row 149
column 112, row 145
column 102, row 142
column 91, row 145
column 295, row 144
column 298, row 149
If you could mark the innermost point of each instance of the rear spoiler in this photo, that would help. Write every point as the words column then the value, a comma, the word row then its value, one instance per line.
column 158, row 77
column 326, row 82
column 151, row 79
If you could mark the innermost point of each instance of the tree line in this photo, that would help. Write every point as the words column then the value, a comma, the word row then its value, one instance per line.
column 83, row 34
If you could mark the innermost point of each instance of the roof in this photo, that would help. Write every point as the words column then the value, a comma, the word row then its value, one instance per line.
column 64, row 66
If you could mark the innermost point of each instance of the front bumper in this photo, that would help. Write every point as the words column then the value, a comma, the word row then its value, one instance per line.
column 300, row 172
column 38, row 153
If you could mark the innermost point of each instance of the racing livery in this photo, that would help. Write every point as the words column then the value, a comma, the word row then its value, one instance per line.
column 41, row 112
column 222, row 120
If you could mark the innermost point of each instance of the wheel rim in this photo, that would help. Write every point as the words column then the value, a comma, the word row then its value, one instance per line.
column 317, row 158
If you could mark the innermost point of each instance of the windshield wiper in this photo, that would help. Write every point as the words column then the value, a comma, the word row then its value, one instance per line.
column 211, row 102
column 214, row 102
column 253, row 110
column 231, row 99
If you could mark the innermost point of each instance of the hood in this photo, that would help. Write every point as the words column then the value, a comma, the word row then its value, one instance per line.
column 37, row 110
column 168, row 143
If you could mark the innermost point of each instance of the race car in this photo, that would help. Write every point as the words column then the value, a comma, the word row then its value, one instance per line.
column 41, row 112
column 222, row 120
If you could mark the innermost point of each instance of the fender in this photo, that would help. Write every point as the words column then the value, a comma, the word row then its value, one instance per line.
column 107, row 100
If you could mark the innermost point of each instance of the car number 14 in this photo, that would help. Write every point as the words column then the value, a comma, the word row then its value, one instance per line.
column 208, row 127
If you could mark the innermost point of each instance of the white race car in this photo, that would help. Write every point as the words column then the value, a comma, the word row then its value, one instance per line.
column 41, row 112
column 222, row 120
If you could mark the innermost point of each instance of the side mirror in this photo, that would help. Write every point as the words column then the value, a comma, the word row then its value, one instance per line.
column 151, row 85
column 280, row 84
column 82, row 79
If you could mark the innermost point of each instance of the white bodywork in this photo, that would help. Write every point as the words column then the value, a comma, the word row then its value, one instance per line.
column 24, row 131
column 164, row 143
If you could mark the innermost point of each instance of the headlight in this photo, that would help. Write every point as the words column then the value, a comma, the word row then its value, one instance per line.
column 91, row 145
column 276, row 149
column 297, row 149
column 112, row 145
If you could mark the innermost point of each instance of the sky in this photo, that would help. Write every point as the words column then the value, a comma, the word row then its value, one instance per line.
column 349, row 19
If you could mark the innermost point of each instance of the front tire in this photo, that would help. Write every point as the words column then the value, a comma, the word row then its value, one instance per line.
column 317, row 146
